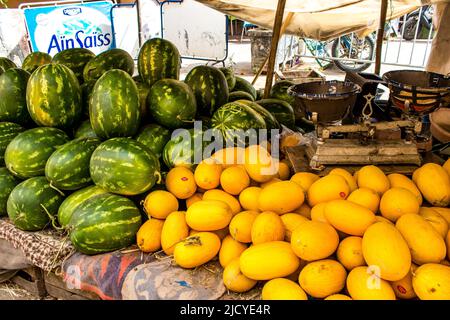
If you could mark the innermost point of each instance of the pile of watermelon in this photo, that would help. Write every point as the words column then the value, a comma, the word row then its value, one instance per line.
column 83, row 137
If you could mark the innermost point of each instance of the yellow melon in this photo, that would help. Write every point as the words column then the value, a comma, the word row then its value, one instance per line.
column 396, row 202
column 431, row 281
column 281, row 197
column 403, row 288
column 351, row 181
column 415, row 176
column 425, row 243
column 173, row 231
column 446, row 166
column 291, row 221
column 148, row 237
column 259, row 164
column 398, row 180
column 318, row 212
column 282, row 289
column 435, row 219
column 313, row 240
column 196, row 197
column 383, row 247
column 267, row 227
column 180, row 182
column 284, row 171
column 348, row 217
column 207, row 174
column 434, row 184
column 447, row 241
column 444, row 212
column 363, row 283
column 241, row 226
column 338, row 296
column 234, row 280
column 234, row 179
column 304, row 210
column 322, row 278
column 229, row 156
column 349, row 253
column 373, row 178
column 331, row 187
column 383, row 219
column 196, row 250
column 249, row 198
column 365, row 197
column 268, row 183
column 208, row 215
column 305, row 179
column 220, row 195
column 230, row 250
column 269, row 260
column 221, row 233
column 158, row 204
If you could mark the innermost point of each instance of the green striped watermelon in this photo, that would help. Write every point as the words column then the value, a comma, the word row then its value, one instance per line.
column 114, row 106
column 281, row 110
column 210, row 88
column 244, row 85
column 269, row 119
column 172, row 103
column 104, row 223
column 8, row 131
column 279, row 91
column 85, row 130
column 68, row 167
column 184, row 148
column 7, row 183
column 32, row 204
column 54, row 96
column 143, row 90
column 229, row 75
column 28, row 152
column 158, row 59
column 124, row 166
column 75, row 59
column 154, row 137
column 86, row 93
column 6, row 64
column 108, row 60
column 69, row 204
column 239, row 95
column 35, row 60
column 13, row 103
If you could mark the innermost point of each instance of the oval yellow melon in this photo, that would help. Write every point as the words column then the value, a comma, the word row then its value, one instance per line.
column 270, row 182
column 305, row 179
column 444, row 212
column 196, row 197
column 383, row 219
column 220, row 195
column 364, row 284
column 269, row 260
column 249, row 198
column 259, row 164
column 425, row 243
column 435, row 219
column 230, row 250
column 158, row 204
column 241, row 226
column 349, row 253
column 322, row 278
column 284, row 171
column 234, row 280
column 318, row 212
column 396, row 202
column 207, row 174
column 401, row 181
column 434, row 184
column 331, row 187
column 403, row 288
column 196, row 250
column 148, row 237
column 338, row 296
column 384, row 247
column 431, row 281
column 415, row 175
column 173, row 231
column 313, row 240
column 234, row 179
column 447, row 241
column 267, row 227
column 180, row 182
column 282, row 289
column 304, row 210
column 348, row 217
column 229, row 156
column 281, row 197
column 221, row 233
column 365, row 197
column 208, row 215
column 373, row 178
column 291, row 221
column 351, row 181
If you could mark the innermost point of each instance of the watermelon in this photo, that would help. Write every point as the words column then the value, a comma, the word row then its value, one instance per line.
column 259, row 94
column 229, row 75
column 68, row 167
column 281, row 110
column 86, row 93
column 35, row 60
column 85, row 130
column 108, row 60
column 33, row 204
column 158, row 59
column 13, row 103
column 279, row 91
column 172, row 103
column 7, row 183
column 75, row 59
column 69, row 204
column 184, row 148
column 54, row 96
column 114, row 106
column 8, row 131
column 236, row 116
column 104, row 223
column 210, row 88
column 124, row 166
column 244, row 85
column 28, row 152
column 305, row 124
column 269, row 119
column 143, row 90
column 239, row 95
column 154, row 137
column 6, row 64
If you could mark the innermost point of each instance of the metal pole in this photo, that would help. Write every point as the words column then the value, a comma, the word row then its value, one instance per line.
column 380, row 34
column 274, row 45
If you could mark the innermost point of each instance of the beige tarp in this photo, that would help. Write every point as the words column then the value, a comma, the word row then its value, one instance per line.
column 439, row 60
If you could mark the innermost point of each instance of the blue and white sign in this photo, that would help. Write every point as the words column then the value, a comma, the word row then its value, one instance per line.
column 56, row 28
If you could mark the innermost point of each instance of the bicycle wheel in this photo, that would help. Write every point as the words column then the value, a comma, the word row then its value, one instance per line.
column 362, row 50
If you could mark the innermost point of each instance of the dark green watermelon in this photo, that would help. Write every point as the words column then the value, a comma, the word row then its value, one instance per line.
column 108, row 60
column 172, row 103
column 54, row 96
column 68, row 167
column 35, row 60
column 75, row 59
column 13, row 102
column 32, row 204
column 158, row 59
column 229, row 75
column 104, row 223
column 86, row 93
column 269, row 119
column 210, row 88
column 8, row 131
column 85, row 130
column 239, row 95
column 154, row 137
column 27, row 154
column 185, row 148
column 7, row 183
column 244, row 85
column 69, row 204
column 124, row 166
column 279, row 91
column 114, row 106
column 6, row 64
column 143, row 90
column 281, row 110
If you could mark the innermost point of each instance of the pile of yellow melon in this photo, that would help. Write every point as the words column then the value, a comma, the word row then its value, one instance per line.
column 339, row 237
